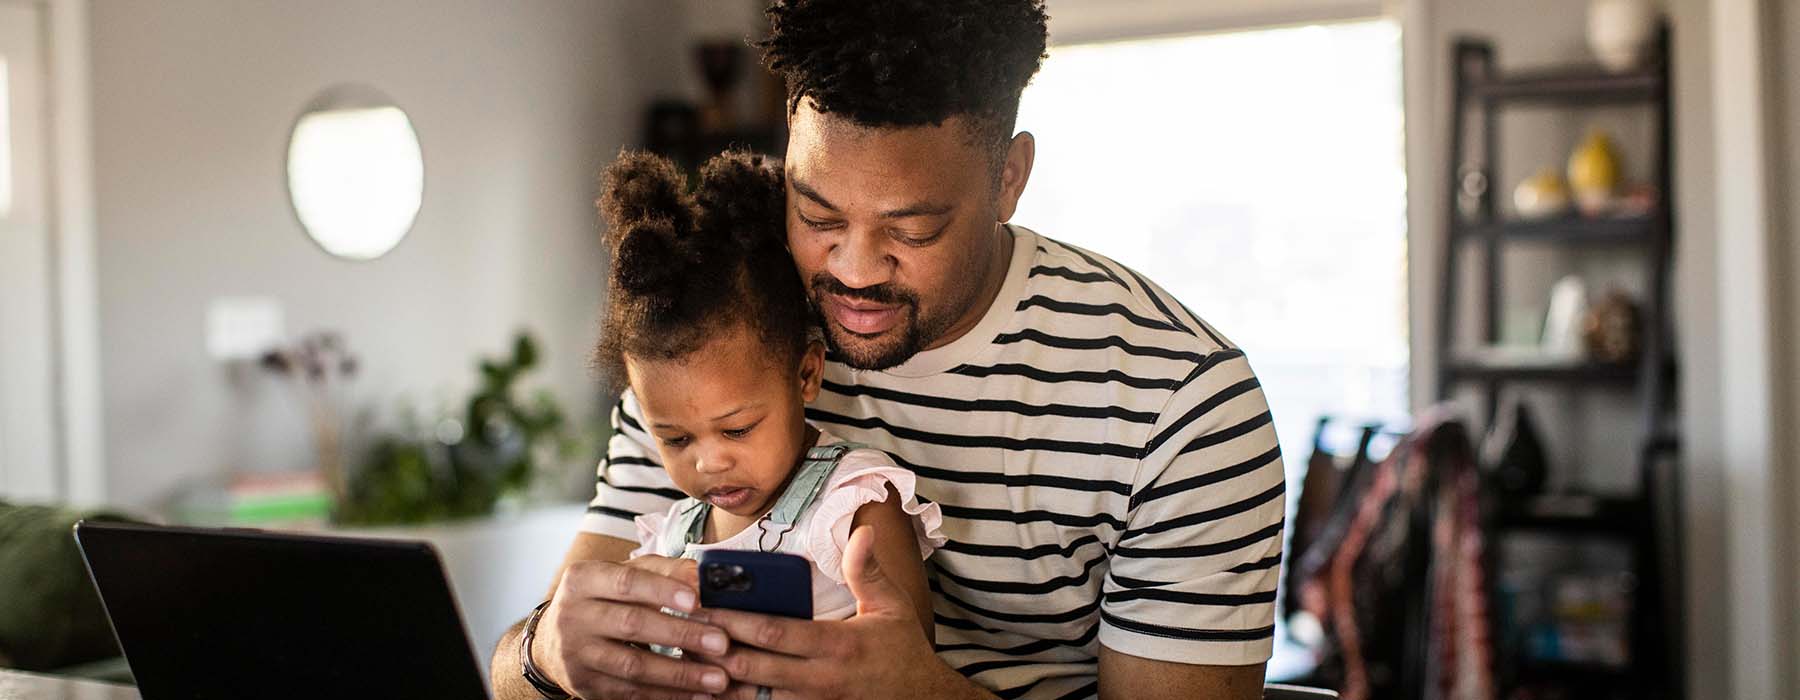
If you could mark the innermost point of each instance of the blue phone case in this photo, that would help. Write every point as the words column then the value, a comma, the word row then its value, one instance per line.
column 760, row 582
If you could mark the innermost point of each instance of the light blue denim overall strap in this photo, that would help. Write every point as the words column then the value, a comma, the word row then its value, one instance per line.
column 689, row 526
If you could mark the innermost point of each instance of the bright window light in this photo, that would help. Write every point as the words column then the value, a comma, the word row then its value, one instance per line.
column 1259, row 177
column 356, row 177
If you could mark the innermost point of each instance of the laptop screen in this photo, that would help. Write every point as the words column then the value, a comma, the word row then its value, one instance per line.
column 237, row 614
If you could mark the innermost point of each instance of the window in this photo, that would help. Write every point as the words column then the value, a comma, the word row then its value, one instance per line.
column 1259, row 177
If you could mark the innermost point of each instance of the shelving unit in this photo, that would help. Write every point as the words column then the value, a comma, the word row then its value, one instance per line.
column 1636, row 521
column 1580, row 515
column 1603, row 373
column 1570, row 86
column 1633, row 231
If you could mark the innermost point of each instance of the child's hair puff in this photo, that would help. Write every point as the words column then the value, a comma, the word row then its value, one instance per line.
column 688, row 266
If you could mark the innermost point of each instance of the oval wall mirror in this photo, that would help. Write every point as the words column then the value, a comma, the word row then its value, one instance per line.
column 355, row 174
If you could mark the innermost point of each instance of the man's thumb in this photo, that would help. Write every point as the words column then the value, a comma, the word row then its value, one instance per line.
column 873, row 591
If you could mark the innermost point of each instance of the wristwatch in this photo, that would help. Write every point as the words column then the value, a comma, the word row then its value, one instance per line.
column 545, row 687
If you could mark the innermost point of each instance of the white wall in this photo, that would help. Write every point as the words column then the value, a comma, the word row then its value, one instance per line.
column 1696, row 306
column 1714, row 613
column 517, row 106
column 1750, row 454
column 28, row 445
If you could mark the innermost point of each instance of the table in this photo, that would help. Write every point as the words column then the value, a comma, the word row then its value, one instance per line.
column 18, row 685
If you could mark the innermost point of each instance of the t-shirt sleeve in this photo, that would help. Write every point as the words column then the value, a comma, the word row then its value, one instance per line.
column 631, row 480
column 1193, row 575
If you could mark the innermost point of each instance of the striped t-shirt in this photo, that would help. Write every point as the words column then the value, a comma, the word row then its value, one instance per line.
column 1105, row 462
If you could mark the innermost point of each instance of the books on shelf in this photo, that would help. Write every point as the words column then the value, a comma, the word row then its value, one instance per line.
column 291, row 500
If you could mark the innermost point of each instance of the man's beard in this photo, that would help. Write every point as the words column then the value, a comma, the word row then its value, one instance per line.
column 887, row 349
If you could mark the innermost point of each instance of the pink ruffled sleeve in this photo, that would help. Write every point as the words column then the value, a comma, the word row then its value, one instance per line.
column 862, row 477
column 649, row 530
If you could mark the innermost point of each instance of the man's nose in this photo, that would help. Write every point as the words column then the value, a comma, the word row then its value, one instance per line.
column 861, row 261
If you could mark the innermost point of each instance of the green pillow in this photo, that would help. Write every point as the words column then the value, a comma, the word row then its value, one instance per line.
column 50, row 615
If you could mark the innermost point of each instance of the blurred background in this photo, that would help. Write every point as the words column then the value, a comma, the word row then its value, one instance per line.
column 335, row 266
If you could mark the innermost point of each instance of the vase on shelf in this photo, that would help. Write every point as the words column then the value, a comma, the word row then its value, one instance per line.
column 720, row 62
column 1513, row 452
column 319, row 364
column 1620, row 32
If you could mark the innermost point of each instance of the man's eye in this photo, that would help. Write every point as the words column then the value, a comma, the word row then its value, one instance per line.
column 919, row 238
column 818, row 225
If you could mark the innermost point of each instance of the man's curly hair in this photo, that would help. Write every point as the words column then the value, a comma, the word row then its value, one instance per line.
column 688, row 266
column 909, row 62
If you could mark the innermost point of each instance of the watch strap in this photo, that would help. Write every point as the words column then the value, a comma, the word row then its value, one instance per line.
column 545, row 687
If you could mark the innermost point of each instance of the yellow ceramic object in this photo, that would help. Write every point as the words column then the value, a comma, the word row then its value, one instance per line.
column 1541, row 195
column 1594, row 172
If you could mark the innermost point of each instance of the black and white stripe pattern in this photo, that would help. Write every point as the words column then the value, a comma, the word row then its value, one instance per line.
column 1106, row 465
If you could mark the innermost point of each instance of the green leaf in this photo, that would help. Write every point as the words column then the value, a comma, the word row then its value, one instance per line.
column 525, row 352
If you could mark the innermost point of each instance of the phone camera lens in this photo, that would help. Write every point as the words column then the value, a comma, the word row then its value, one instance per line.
column 739, row 579
column 717, row 578
column 726, row 577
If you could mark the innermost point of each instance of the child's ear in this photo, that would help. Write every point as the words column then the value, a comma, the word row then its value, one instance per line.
column 812, row 370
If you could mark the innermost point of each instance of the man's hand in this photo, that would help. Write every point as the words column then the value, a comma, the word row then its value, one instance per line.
column 881, row 652
column 585, row 640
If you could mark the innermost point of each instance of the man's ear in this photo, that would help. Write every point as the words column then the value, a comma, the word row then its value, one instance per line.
column 812, row 370
column 1014, row 173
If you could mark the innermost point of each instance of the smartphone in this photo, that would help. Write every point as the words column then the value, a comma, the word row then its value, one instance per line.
column 770, row 583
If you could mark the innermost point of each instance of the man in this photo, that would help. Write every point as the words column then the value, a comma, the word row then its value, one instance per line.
column 1105, row 461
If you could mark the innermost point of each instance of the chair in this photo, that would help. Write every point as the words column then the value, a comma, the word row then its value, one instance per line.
column 1280, row 691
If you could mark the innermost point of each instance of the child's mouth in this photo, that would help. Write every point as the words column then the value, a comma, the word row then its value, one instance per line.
column 728, row 497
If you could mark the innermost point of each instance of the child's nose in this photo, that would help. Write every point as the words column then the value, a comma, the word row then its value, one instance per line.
column 714, row 462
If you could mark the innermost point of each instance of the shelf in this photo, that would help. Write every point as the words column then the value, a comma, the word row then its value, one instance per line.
column 1571, row 515
column 1636, row 230
column 1585, row 85
column 1605, row 373
column 1581, row 524
column 1576, row 673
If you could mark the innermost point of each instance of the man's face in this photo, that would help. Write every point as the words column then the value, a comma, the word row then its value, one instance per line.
column 893, row 231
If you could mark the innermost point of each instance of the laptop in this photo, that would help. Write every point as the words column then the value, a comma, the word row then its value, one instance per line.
column 204, row 614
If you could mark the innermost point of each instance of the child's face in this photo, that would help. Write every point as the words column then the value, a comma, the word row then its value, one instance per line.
column 728, row 422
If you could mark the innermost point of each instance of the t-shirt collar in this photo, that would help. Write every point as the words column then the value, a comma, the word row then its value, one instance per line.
column 1006, row 302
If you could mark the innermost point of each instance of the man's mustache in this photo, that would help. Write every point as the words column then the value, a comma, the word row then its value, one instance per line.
column 886, row 294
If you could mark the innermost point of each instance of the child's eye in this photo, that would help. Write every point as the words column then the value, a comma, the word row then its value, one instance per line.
column 674, row 441
column 736, row 433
